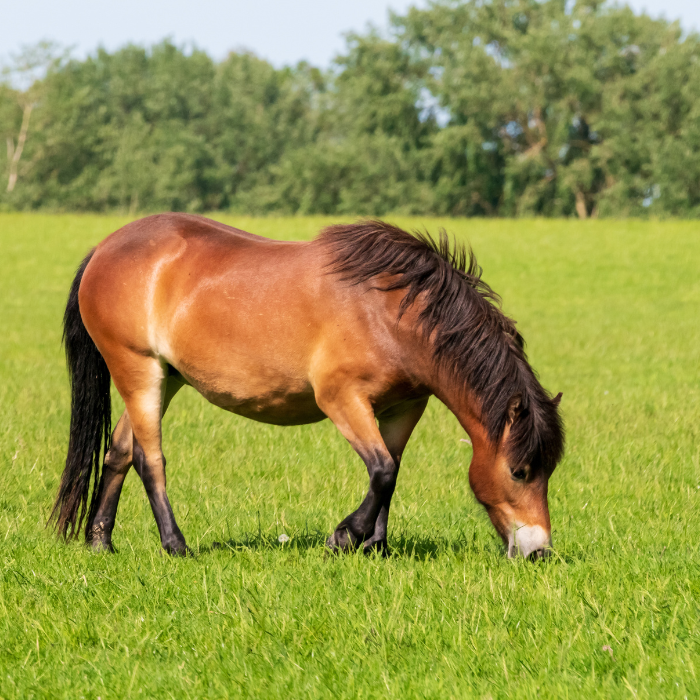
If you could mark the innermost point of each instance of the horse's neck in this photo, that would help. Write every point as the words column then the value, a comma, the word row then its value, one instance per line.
column 459, row 399
column 467, row 411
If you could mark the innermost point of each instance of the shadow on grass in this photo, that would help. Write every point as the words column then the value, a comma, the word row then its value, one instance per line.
column 261, row 542
column 405, row 546
column 423, row 547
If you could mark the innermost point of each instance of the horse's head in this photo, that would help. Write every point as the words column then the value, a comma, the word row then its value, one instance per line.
column 510, row 477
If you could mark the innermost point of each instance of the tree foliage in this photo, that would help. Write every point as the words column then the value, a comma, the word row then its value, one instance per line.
column 468, row 107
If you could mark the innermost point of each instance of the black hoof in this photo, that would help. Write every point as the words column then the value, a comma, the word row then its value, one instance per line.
column 98, row 540
column 100, row 546
column 342, row 541
column 178, row 549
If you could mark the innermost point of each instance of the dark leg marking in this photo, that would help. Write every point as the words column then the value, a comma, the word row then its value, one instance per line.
column 118, row 460
column 395, row 428
column 153, row 477
column 117, row 463
column 360, row 526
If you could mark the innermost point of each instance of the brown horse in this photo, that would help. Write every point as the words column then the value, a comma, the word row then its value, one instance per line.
column 361, row 325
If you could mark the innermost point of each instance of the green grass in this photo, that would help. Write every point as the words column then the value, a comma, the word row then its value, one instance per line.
column 611, row 313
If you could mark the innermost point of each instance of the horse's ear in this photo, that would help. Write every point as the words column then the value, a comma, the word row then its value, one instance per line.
column 557, row 400
column 515, row 405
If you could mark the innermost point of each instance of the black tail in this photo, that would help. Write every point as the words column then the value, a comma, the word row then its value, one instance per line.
column 90, row 419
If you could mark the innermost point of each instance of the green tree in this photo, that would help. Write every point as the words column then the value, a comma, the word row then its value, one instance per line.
column 556, row 93
column 259, row 113
column 123, row 130
column 364, row 155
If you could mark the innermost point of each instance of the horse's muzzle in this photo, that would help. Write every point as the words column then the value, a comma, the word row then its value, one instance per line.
column 529, row 541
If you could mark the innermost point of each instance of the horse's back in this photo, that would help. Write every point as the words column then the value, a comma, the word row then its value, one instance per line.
column 142, row 235
column 159, row 256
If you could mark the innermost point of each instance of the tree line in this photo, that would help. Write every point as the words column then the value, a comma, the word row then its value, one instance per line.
column 466, row 108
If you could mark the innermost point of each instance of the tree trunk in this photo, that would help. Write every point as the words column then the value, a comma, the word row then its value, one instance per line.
column 14, row 153
column 581, row 205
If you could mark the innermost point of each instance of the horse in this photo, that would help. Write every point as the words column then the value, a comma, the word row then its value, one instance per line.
column 360, row 325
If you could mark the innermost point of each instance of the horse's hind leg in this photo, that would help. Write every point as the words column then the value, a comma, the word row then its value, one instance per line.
column 149, row 460
column 146, row 389
column 117, row 463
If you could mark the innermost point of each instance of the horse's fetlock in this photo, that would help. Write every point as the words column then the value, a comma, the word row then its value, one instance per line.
column 99, row 537
column 383, row 479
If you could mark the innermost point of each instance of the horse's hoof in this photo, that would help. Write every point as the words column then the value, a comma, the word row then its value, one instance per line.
column 98, row 545
column 98, row 539
column 178, row 549
column 341, row 541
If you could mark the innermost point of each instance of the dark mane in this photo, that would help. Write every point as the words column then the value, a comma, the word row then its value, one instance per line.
column 472, row 338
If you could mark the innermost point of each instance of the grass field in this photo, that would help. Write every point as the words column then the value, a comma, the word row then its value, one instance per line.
column 611, row 313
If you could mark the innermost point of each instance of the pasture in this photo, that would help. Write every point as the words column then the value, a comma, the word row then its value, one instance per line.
column 611, row 313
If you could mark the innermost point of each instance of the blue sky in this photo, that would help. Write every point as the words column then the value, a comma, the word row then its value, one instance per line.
column 282, row 31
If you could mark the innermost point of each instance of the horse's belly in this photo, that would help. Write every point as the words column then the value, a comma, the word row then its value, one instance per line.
column 278, row 403
column 287, row 410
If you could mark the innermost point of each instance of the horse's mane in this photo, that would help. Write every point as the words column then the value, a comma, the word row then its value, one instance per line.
column 472, row 339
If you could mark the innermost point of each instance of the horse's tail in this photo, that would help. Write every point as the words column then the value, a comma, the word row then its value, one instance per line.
column 90, row 420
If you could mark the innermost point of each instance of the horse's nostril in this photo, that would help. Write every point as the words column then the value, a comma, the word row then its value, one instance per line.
column 541, row 553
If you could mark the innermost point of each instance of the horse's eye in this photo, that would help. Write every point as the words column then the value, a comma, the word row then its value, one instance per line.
column 519, row 473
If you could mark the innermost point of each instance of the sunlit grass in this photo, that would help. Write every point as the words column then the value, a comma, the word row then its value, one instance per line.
column 610, row 311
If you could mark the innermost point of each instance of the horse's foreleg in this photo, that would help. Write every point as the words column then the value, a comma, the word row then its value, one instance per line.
column 395, row 428
column 117, row 463
column 354, row 418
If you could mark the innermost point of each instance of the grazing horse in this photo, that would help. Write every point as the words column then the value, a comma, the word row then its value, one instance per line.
column 360, row 325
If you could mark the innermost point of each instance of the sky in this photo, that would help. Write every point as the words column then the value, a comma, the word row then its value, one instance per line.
column 281, row 31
